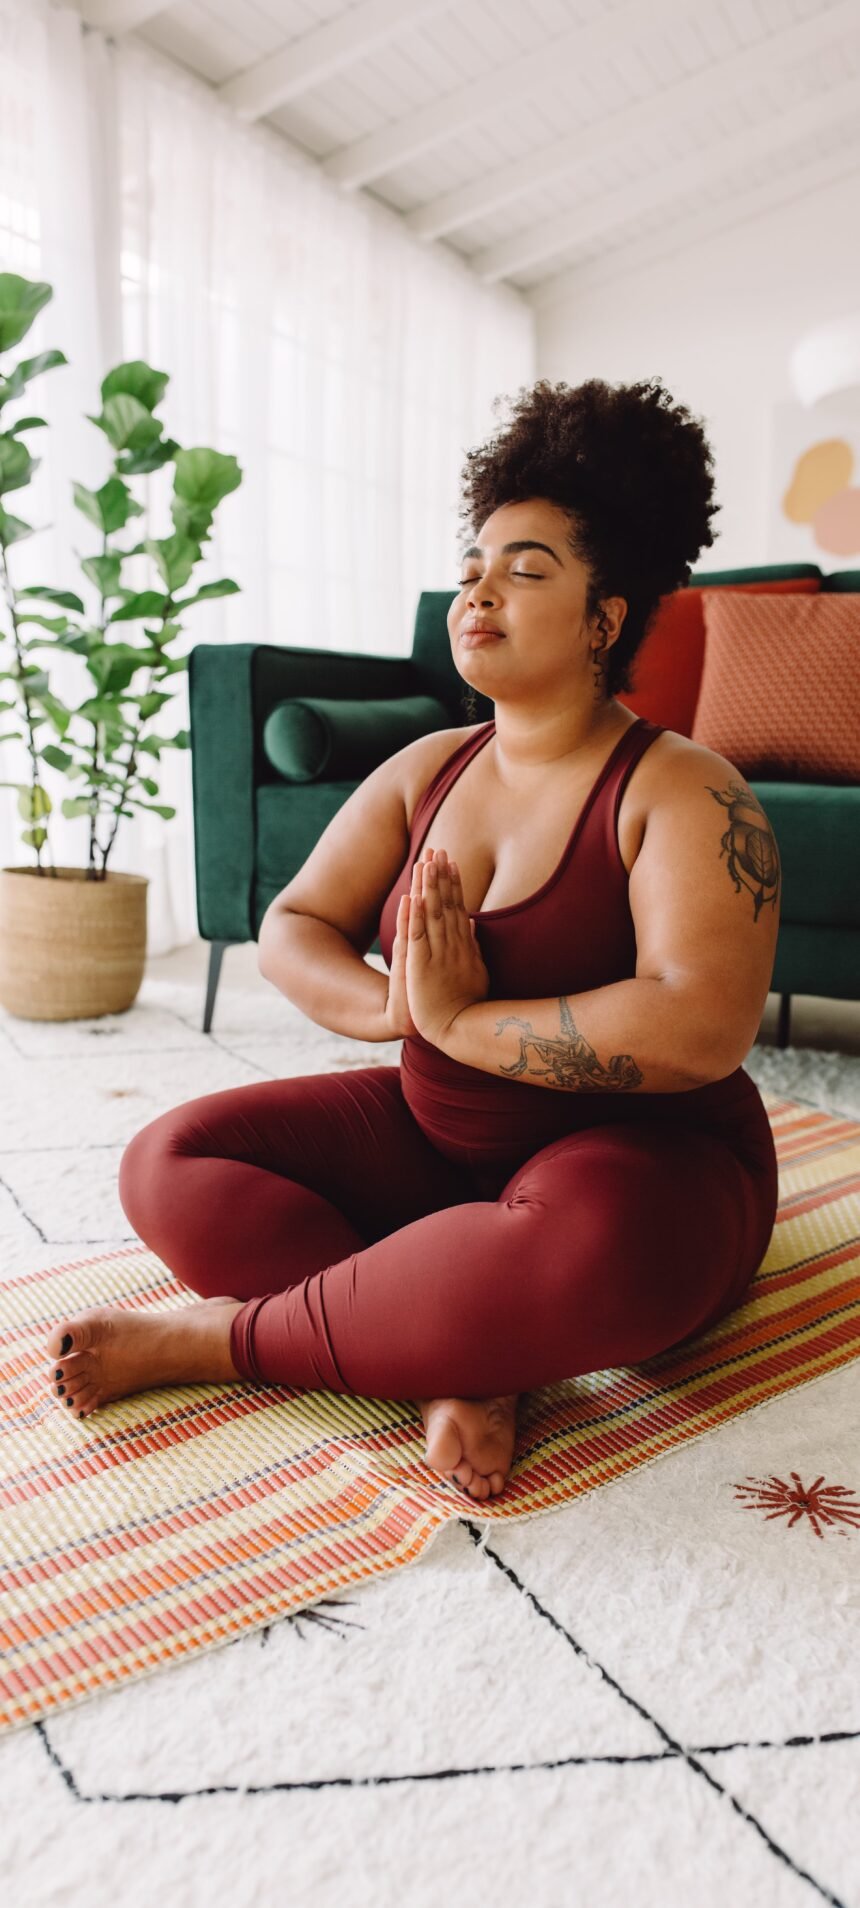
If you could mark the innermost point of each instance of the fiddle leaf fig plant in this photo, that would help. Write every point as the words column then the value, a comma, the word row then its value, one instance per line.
column 102, row 746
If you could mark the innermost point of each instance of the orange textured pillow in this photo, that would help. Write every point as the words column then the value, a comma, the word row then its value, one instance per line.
column 780, row 692
column 667, row 669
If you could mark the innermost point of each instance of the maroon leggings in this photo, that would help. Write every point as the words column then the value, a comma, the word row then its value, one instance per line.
column 372, row 1264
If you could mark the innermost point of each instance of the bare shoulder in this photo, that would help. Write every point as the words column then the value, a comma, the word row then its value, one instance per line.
column 423, row 759
column 675, row 766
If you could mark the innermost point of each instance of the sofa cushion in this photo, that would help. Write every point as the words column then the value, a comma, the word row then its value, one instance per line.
column 817, row 831
column 667, row 668
column 780, row 692
column 310, row 738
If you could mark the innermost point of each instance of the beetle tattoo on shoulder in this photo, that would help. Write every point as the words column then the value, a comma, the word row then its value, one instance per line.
column 569, row 1060
column 749, row 844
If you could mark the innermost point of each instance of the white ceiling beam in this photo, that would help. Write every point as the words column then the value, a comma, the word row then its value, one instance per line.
column 120, row 16
column 662, row 186
column 695, row 93
column 692, row 229
column 485, row 93
column 315, row 56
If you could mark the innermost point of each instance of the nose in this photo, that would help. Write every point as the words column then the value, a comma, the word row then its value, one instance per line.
column 483, row 595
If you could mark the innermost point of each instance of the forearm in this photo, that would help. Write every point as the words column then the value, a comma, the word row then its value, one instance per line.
column 322, row 973
column 634, row 1036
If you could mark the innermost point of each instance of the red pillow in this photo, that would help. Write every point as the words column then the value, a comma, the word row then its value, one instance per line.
column 780, row 691
column 667, row 669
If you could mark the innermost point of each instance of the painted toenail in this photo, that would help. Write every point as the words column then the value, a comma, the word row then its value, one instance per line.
column 61, row 1389
column 58, row 1374
column 68, row 1401
column 66, row 1346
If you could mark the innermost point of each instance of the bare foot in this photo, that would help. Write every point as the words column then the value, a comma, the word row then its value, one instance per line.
column 471, row 1440
column 114, row 1351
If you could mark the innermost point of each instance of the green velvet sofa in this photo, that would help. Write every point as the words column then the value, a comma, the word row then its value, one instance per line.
column 254, row 829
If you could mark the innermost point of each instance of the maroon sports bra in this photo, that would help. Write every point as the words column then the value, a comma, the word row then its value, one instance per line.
column 574, row 933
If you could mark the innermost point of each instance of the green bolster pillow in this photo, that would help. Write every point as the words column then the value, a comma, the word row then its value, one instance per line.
column 308, row 737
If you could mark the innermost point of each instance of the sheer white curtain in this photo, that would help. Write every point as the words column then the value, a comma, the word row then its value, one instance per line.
column 347, row 367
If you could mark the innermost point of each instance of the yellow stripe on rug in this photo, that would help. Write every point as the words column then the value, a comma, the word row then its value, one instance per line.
column 181, row 1518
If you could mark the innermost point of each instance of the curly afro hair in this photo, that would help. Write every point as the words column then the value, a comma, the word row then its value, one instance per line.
column 634, row 472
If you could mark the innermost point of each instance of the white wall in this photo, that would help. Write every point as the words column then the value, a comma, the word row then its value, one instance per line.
column 717, row 323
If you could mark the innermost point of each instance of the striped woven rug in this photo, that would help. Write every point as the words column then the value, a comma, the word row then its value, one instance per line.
column 176, row 1520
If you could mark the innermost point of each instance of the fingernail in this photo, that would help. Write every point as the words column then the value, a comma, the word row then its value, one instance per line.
column 66, row 1346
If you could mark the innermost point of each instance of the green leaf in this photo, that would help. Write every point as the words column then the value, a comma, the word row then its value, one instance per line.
column 127, row 423
column 151, row 703
column 16, row 464
column 27, row 424
column 203, row 477
column 136, row 379
column 224, row 587
column 28, row 368
column 65, row 598
column 175, row 557
column 55, row 623
column 191, row 520
column 150, row 457
column 76, row 805
column 21, row 300
column 113, row 665
column 150, row 786
column 140, row 603
column 104, row 571
column 34, row 802
column 34, row 837
column 108, row 508
column 56, row 758
column 13, row 529
column 166, row 813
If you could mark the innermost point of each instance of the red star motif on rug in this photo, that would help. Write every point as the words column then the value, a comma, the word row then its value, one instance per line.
column 822, row 1503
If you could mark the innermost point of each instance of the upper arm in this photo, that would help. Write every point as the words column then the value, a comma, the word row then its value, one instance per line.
column 353, row 866
column 705, row 896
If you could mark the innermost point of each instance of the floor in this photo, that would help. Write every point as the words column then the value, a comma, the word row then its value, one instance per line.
column 648, row 1696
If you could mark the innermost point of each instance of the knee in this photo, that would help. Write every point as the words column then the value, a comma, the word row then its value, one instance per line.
column 143, row 1168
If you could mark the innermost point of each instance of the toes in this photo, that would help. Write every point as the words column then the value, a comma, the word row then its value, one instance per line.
column 85, row 1402
column 444, row 1445
column 69, row 1336
column 497, row 1482
column 74, row 1372
column 480, row 1486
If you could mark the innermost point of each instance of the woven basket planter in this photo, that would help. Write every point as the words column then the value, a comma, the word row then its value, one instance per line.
column 70, row 948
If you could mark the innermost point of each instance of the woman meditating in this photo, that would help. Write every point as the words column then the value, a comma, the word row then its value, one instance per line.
column 570, row 1169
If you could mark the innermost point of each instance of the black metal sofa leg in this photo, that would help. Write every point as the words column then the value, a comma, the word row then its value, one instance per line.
column 782, row 1027
column 216, row 951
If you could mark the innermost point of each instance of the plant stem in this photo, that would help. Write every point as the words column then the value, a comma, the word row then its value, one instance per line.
column 22, row 681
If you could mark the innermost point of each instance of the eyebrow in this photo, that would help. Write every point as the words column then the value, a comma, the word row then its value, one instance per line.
column 524, row 543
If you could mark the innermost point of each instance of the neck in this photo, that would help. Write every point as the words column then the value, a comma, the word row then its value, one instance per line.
column 525, row 742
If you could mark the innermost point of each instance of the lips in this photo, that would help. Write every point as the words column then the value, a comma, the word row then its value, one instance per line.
column 481, row 629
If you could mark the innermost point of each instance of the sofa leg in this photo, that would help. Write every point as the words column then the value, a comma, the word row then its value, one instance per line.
column 216, row 951
column 782, row 1029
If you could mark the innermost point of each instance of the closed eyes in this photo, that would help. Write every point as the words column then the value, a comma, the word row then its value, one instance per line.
column 536, row 576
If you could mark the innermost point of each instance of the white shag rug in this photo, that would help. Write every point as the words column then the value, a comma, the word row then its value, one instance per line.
column 649, row 1697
